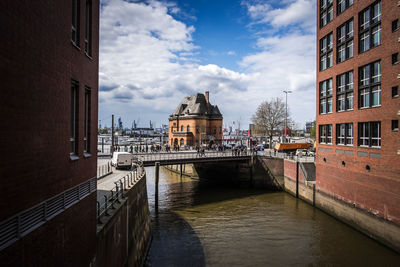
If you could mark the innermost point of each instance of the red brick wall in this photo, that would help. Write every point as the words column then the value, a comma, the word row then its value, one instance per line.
column 38, row 62
column 378, row 190
column 63, row 241
column 289, row 169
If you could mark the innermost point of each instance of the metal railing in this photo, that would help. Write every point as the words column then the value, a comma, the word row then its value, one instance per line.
column 117, row 193
column 104, row 169
column 163, row 156
column 281, row 155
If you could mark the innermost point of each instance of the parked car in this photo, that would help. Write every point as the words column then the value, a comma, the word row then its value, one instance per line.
column 122, row 160
column 301, row 152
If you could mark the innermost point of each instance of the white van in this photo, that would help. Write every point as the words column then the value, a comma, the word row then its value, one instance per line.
column 122, row 159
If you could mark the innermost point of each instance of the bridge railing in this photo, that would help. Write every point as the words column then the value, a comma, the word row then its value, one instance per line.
column 190, row 155
column 117, row 193
column 281, row 155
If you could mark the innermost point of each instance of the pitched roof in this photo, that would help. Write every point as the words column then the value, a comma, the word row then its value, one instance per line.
column 196, row 105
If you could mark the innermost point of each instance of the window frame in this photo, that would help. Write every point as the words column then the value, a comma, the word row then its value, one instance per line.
column 395, row 25
column 369, row 30
column 87, row 120
column 395, row 58
column 325, row 9
column 326, row 52
column 365, row 132
column 88, row 28
column 345, row 44
column 347, row 4
column 395, row 91
column 367, row 84
column 347, row 138
column 348, row 89
column 395, row 125
column 327, row 97
column 75, row 22
column 323, row 134
column 74, row 118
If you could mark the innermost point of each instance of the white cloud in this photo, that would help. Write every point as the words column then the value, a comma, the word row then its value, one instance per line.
column 286, row 60
column 231, row 53
column 299, row 12
column 148, row 63
column 148, row 60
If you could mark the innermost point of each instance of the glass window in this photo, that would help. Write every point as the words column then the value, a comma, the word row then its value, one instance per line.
column 345, row 41
column 74, row 117
column 344, row 91
column 370, row 27
column 342, row 5
column 369, row 134
column 86, row 138
column 369, row 85
column 325, row 92
column 325, row 53
column 88, row 28
column 75, row 22
column 325, row 12
column 344, row 134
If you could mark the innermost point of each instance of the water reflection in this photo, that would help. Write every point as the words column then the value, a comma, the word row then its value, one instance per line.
column 201, row 223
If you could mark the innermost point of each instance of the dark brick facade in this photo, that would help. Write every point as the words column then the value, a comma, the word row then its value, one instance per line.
column 341, row 171
column 38, row 62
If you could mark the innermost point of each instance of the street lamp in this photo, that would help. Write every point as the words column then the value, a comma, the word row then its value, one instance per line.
column 286, row 92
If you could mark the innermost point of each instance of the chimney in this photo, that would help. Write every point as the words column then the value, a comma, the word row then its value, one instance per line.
column 207, row 97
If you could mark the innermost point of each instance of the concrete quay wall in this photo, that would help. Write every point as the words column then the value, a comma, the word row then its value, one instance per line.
column 124, row 236
column 187, row 170
column 385, row 232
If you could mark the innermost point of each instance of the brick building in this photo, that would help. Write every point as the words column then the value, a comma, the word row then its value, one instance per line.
column 358, row 105
column 49, row 86
column 195, row 121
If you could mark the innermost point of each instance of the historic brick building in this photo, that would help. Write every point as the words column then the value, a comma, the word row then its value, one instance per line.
column 49, row 95
column 195, row 121
column 358, row 105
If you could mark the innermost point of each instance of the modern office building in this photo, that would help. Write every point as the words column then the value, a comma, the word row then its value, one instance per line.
column 49, row 88
column 195, row 122
column 358, row 109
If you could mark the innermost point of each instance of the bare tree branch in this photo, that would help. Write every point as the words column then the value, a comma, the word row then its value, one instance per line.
column 270, row 117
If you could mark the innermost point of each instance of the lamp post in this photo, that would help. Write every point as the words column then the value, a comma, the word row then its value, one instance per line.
column 286, row 92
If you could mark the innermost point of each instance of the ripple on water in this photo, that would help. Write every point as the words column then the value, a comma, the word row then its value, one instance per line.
column 202, row 224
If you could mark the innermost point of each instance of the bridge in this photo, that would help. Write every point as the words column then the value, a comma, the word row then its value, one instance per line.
column 176, row 158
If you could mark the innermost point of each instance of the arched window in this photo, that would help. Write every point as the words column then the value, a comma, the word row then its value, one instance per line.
column 182, row 128
column 188, row 128
column 182, row 142
column 197, row 129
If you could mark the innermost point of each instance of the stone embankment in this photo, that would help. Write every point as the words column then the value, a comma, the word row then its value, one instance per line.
column 123, row 231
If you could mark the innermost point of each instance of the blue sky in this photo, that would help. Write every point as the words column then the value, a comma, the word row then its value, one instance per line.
column 153, row 53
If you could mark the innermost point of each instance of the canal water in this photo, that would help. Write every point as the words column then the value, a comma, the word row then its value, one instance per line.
column 199, row 223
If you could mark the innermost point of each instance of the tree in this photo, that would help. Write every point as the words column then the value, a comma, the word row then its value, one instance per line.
column 270, row 117
column 313, row 130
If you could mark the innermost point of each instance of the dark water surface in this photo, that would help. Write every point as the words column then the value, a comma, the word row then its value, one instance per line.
column 205, row 224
